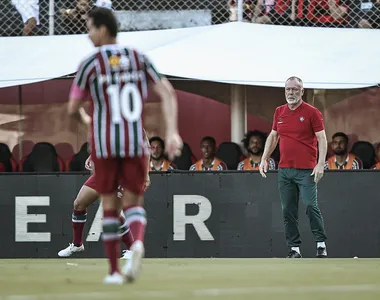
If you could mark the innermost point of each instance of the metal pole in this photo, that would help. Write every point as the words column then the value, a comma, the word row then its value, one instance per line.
column 240, row 10
column 20, row 129
column 51, row 17
column 238, row 113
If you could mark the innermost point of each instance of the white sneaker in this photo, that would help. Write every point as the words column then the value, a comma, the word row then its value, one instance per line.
column 70, row 250
column 132, row 266
column 115, row 278
column 127, row 254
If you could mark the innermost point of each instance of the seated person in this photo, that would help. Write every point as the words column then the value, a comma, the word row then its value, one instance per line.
column 254, row 143
column 377, row 165
column 158, row 162
column 365, row 13
column 342, row 160
column 208, row 162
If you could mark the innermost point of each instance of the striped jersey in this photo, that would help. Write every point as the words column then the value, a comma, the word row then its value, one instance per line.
column 115, row 79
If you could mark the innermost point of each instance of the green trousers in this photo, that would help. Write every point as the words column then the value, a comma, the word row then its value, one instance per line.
column 292, row 183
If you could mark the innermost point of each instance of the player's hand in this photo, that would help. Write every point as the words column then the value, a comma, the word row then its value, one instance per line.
column 318, row 172
column 173, row 145
column 263, row 168
column 86, row 120
column 88, row 164
column 147, row 183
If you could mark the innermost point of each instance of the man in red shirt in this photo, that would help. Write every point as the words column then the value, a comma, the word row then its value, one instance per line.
column 299, row 126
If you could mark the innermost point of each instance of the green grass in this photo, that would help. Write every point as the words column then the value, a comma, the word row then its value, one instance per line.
column 233, row 279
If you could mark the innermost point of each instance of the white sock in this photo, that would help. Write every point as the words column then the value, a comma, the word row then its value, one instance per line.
column 321, row 244
column 297, row 249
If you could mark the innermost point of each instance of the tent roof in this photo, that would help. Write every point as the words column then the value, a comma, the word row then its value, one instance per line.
column 238, row 53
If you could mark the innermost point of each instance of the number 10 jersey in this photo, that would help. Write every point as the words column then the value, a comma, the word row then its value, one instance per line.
column 115, row 79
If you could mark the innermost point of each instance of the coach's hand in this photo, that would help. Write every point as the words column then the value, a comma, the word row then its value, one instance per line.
column 318, row 172
column 173, row 145
column 263, row 168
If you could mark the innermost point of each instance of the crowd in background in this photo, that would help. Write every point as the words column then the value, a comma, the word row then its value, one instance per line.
column 31, row 17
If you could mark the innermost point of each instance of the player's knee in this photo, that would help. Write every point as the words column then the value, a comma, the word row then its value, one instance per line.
column 78, row 205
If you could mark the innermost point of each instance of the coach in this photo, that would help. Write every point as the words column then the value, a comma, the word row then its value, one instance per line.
column 298, row 126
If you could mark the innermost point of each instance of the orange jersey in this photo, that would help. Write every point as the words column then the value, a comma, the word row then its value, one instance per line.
column 247, row 164
column 166, row 165
column 217, row 165
column 352, row 163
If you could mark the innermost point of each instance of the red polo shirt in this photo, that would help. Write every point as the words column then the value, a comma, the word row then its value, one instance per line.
column 296, row 128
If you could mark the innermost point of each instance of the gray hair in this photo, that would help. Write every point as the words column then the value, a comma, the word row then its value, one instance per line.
column 295, row 78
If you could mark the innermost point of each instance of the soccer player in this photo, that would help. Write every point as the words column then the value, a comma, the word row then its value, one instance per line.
column 254, row 142
column 299, row 126
column 116, row 80
column 87, row 196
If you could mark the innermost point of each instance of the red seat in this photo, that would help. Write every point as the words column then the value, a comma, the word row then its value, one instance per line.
column 22, row 149
column 42, row 158
column 64, row 150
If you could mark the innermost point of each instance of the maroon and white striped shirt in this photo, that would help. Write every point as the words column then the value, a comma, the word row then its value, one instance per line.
column 115, row 79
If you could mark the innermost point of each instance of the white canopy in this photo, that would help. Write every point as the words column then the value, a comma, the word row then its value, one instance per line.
column 239, row 53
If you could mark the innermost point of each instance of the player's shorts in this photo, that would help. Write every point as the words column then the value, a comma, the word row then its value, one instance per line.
column 28, row 9
column 91, row 182
column 129, row 172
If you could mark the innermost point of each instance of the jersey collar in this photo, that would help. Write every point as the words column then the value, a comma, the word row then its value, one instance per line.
column 294, row 110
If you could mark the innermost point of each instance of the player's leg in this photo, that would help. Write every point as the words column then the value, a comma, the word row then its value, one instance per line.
column 289, row 202
column 86, row 196
column 124, row 231
column 308, row 189
column 107, row 173
column 134, row 174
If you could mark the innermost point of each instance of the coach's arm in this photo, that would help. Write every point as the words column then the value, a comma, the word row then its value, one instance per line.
column 322, row 146
column 322, row 151
column 270, row 145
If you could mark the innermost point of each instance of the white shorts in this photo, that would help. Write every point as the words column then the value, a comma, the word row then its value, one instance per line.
column 28, row 9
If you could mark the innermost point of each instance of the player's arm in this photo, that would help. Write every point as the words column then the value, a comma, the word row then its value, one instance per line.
column 78, row 93
column 322, row 147
column 88, row 163
column 75, row 109
column 147, row 156
column 78, row 113
column 270, row 145
column 165, row 91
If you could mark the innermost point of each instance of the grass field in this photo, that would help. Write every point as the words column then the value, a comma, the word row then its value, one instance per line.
column 235, row 279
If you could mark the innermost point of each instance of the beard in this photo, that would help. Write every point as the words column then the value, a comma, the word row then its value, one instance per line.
column 292, row 101
column 256, row 152
column 340, row 151
column 157, row 158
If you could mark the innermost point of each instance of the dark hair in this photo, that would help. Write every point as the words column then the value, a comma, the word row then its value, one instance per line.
column 104, row 17
column 252, row 133
column 341, row 134
column 157, row 139
column 209, row 139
